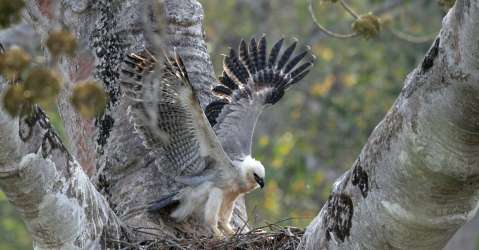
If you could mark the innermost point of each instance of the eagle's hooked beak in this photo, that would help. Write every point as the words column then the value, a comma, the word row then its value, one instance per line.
column 259, row 180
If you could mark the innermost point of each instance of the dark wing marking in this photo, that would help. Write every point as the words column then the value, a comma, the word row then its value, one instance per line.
column 249, row 82
column 165, row 111
column 135, row 68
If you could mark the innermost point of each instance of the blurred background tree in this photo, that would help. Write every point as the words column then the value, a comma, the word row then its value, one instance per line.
column 309, row 138
column 13, row 234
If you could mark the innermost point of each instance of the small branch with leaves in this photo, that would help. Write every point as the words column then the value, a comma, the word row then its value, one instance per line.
column 369, row 25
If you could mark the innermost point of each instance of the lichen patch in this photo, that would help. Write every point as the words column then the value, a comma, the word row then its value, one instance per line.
column 360, row 178
column 338, row 217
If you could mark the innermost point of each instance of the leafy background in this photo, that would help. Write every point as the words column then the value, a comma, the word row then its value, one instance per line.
column 314, row 134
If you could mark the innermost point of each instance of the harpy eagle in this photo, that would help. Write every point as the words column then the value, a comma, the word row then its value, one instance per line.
column 209, row 151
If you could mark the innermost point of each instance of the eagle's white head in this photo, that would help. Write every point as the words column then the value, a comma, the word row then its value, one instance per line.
column 252, row 172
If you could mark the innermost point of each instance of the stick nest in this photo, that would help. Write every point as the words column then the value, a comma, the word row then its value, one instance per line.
column 278, row 238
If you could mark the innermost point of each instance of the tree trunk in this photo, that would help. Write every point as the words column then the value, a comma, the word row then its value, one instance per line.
column 123, row 176
column 413, row 185
column 415, row 182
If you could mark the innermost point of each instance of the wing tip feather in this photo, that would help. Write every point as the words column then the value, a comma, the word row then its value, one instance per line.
column 276, row 71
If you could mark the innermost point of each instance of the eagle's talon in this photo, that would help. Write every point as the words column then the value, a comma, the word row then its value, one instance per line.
column 217, row 233
column 228, row 229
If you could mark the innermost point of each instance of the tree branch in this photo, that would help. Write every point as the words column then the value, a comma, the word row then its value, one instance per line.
column 55, row 198
column 59, row 205
column 108, row 148
column 415, row 182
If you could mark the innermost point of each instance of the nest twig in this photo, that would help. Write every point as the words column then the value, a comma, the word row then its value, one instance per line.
column 278, row 237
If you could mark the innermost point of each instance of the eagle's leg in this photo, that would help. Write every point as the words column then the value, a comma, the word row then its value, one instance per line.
column 225, row 217
column 212, row 210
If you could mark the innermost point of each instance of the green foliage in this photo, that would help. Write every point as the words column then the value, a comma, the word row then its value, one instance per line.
column 61, row 42
column 13, row 62
column 316, row 132
column 42, row 85
column 367, row 26
column 34, row 83
column 89, row 99
column 15, row 100
column 447, row 3
column 13, row 234
column 31, row 84
column 10, row 12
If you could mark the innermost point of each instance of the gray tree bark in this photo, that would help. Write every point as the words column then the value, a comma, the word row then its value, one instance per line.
column 105, row 201
column 413, row 185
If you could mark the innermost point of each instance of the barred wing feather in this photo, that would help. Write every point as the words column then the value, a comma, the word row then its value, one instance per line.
column 166, row 113
column 251, row 81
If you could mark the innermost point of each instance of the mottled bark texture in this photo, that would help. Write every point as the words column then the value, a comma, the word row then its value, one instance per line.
column 63, row 206
column 59, row 204
column 416, row 181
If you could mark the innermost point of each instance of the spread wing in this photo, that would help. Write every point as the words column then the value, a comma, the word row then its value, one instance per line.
column 251, row 81
column 167, row 115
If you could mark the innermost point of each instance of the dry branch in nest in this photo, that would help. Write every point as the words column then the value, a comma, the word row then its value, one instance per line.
column 278, row 237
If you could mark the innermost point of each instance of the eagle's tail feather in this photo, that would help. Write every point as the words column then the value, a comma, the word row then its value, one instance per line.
column 166, row 202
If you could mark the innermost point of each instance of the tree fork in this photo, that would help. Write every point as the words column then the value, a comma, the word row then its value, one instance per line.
column 413, row 185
